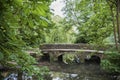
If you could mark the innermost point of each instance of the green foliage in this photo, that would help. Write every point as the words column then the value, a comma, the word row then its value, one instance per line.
column 69, row 58
column 1, row 56
column 95, row 24
column 36, row 20
column 92, row 19
column 112, row 62
column 60, row 32
column 21, row 24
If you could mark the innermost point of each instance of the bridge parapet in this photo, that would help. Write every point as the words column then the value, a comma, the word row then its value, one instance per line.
column 58, row 50
column 74, row 46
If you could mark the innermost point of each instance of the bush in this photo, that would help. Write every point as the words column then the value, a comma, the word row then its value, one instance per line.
column 112, row 62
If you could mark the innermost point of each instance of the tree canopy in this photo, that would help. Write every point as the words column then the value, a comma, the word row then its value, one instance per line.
column 92, row 18
column 22, row 23
column 28, row 23
column 97, row 21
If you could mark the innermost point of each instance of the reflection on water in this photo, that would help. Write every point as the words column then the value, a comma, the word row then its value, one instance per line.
column 78, row 72
column 73, row 72
column 14, row 76
column 66, row 76
column 62, row 76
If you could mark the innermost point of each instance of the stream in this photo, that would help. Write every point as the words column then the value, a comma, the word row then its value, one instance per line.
column 78, row 72
column 61, row 71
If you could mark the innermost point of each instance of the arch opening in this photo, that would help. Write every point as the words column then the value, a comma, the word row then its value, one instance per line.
column 94, row 59
column 45, row 57
column 60, row 58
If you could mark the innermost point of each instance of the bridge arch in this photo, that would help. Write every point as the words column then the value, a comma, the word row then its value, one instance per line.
column 56, row 51
column 60, row 58
column 45, row 57
column 94, row 59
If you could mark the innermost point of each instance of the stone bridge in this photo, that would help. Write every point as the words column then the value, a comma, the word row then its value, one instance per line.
column 55, row 52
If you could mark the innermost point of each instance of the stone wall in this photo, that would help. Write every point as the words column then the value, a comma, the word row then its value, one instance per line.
column 74, row 46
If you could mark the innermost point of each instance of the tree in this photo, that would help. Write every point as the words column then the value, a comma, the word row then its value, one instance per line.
column 118, row 18
column 60, row 33
column 21, row 23
column 92, row 19
column 115, row 10
column 111, row 62
column 97, row 20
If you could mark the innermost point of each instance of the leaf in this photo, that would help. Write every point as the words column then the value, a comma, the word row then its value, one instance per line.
column 1, row 56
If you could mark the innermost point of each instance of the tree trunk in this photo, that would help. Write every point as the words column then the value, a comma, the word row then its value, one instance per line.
column 118, row 18
column 114, row 26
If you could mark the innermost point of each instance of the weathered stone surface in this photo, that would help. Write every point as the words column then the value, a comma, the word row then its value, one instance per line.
column 74, row 46
column 55, row 50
